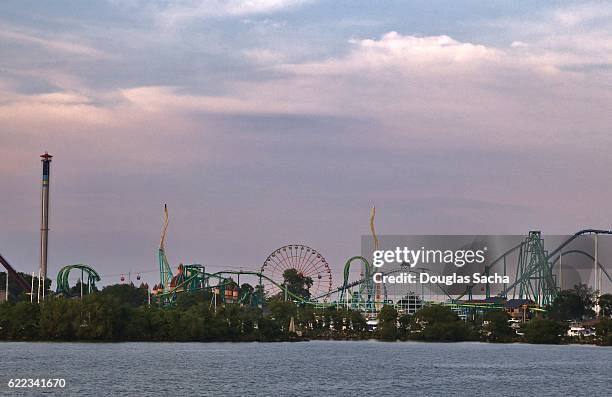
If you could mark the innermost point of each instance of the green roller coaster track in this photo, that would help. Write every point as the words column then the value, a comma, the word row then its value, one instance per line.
column 200, row 280
column 63, row 287
column 534, row 278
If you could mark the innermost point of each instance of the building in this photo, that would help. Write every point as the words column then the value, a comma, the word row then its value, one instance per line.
column 519, row 309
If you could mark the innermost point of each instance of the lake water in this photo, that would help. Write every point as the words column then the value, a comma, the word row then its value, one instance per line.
column 317, row 368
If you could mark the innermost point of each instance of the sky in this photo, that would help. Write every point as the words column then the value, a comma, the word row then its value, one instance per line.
column 269, row 122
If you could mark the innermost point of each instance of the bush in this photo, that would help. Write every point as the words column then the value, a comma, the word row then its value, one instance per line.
column 544, row 331
column 604, row 331
column 439, row 323
column 497, row 329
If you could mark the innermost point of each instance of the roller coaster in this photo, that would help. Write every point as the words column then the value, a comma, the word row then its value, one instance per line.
column 534, row 279
column 11, row 272
column 63, row 286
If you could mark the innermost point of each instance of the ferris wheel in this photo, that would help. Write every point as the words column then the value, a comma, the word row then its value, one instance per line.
column 307, row 261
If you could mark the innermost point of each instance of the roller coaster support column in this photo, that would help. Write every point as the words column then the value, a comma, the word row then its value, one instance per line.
column 596, row 281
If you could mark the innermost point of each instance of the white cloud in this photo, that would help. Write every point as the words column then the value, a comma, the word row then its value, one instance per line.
column 243, row 99
column 577, row 36
column 580, row 14
column 424, row 49
column 53, row 44
column 518, row 44
column 186, row 10
column 265, row 56
column 418, row 90
column 439, row 91
column 397, row 51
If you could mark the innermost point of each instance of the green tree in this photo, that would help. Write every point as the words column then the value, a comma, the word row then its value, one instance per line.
column 587, row 297
column 404, row 325
column 297, row 283
column 22, row 321
column 186, row 299
column 544, row 331
column 438, row 323
column 247, row 294
column 339, row 320
column 568, row 305
column 306, row 318
column 603, row 329
column 497, row 328
column 387, row 323
column 268, row 329
column 59, row 318
column 125, row 294
column 282, row 312
column 358, row 322
column 605, row 304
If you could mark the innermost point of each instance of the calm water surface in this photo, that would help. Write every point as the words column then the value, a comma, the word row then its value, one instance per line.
column 317, row 368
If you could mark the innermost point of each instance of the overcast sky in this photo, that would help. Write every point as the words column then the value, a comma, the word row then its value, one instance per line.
column 267, row 122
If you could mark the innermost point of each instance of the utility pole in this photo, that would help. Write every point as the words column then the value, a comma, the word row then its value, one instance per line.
column 6, row 292
column 32, row 289
column 561, row 271
column 38, row 297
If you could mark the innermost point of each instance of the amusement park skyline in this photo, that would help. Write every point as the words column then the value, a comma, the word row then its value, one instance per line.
column 270, row 122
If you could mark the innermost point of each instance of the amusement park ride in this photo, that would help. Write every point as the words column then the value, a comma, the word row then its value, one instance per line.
column 534, row 279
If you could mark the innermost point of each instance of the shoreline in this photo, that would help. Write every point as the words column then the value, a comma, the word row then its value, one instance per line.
column 306, row 340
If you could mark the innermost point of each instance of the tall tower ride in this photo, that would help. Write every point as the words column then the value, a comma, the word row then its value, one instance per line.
column 44, row 215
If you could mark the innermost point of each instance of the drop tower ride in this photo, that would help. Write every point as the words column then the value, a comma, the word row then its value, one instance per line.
column 44, row 216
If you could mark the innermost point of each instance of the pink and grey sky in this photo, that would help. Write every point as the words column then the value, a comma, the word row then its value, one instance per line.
column 262, row 123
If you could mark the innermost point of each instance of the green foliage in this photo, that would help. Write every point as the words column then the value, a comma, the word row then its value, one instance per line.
column 497, row 328
column 358, row 322
column 587, row 297
column 15, row 291
column 605, row 304
column 603, row 329
column 544, row 331
column 19, row 321
column 117, row 313
column 573, row 304
column 76, row 290
column 404, row 326
column 435, row 314
column 120, row 313
column 387, row 323
column 439, row 323
column 447, row 332
column 187, row 299
column 297, row 283
column 281, row 312
column 126, row 294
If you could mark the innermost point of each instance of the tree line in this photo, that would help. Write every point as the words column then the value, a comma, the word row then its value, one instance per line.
column 122, row 312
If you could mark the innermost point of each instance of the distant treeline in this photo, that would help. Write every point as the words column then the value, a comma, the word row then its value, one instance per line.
column 121, row 313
